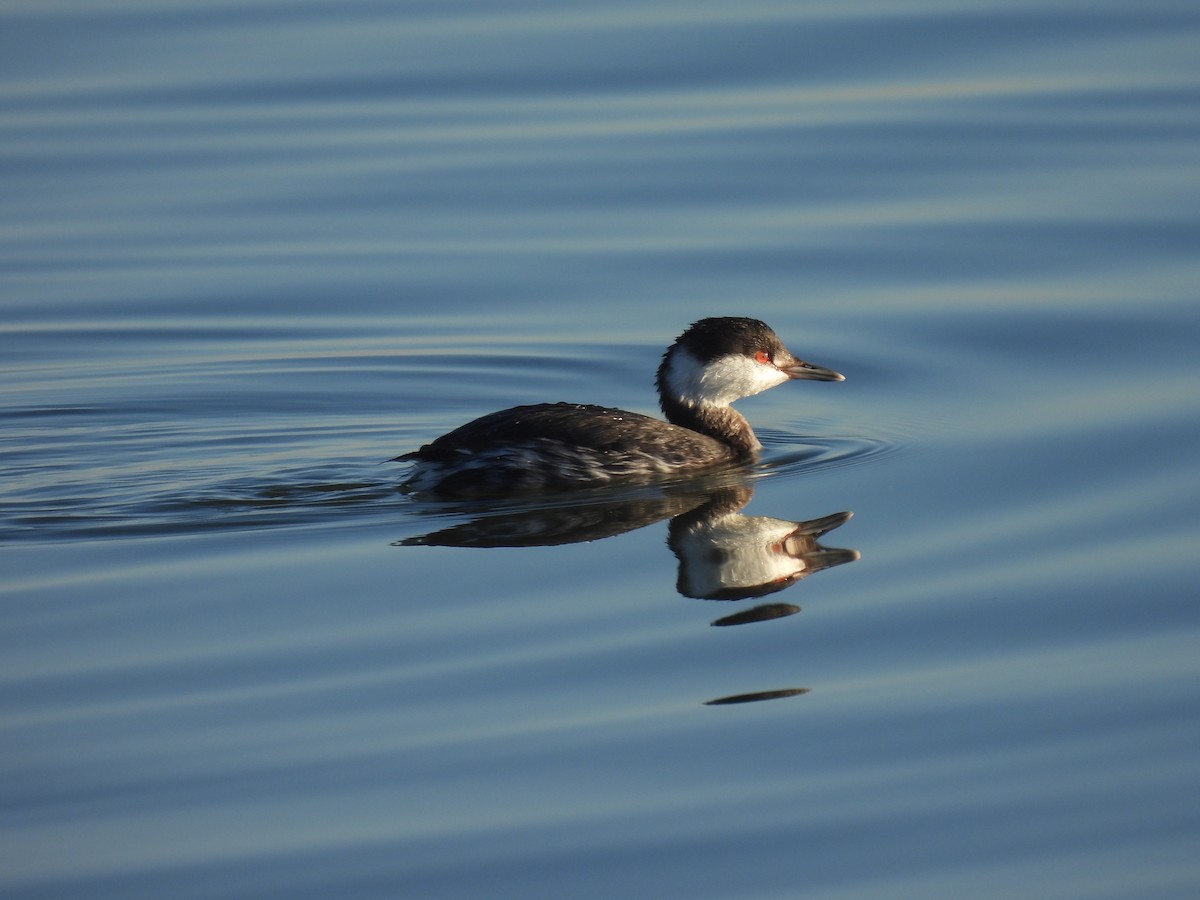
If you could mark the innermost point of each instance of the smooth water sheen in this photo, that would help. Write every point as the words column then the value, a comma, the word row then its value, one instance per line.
column 253, row 250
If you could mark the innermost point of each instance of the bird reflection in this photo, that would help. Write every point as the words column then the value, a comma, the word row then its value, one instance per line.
column 722, row 553
column 551, row 525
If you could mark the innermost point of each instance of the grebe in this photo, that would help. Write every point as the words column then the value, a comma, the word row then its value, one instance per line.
column 556, row 445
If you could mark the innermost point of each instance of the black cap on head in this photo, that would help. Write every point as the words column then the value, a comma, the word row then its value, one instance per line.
column 721, row 335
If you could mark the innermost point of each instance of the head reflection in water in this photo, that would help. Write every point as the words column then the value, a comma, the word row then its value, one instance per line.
column 724, row 555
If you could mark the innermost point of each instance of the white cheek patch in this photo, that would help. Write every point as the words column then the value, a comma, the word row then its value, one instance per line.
column 720, row 382
column 737, row 551
column 731, row 377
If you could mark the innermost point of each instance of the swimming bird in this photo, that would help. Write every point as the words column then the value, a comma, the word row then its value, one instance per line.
column 561, row 445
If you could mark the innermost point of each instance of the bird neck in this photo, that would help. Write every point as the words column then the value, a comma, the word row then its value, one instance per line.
column 691, row 398
column 722, row 423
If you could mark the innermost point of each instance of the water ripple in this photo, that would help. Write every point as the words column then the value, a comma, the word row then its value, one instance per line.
column 58, row 506
column 807, row 453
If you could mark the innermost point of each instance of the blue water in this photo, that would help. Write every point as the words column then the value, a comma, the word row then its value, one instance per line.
column 252, row 250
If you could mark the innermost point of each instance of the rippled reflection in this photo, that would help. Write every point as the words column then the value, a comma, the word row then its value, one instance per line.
column 722, row 553
column 588, row 520
column 762, row 613
column 756, row 696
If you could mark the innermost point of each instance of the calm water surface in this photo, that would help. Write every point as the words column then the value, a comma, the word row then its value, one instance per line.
column 252, row 250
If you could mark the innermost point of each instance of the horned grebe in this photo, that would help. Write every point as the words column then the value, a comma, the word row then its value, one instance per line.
column 555, row 445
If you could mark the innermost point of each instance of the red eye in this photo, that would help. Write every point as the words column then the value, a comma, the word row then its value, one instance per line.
column 762, row 356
